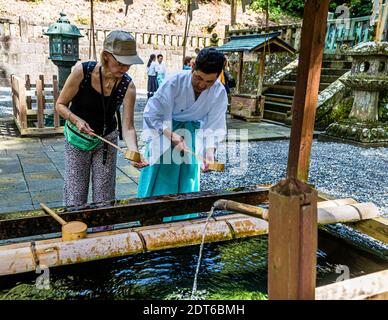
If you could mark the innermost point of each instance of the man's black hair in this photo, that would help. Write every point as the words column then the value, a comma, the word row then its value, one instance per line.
column 159, row 55
column 210, row 60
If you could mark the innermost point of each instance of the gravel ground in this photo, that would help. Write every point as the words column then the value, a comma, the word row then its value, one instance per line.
column 337, row 169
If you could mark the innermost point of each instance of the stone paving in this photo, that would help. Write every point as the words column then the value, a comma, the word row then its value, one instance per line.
column 31, row 168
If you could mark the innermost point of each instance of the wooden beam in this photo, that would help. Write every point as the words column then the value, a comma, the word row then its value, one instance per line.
column 369, row 286
column 148, row 211
column 240, row 71
column 233, row 12
column 376, row 228
column 293, row 229
column 307, row 86
column 292, row 241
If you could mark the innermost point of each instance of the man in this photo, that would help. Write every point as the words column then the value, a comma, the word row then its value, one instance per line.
column 160, row 69
column 185, row 116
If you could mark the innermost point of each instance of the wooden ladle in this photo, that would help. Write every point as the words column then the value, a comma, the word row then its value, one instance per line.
column 214, row 166
column 72, row 230
column 128, row 154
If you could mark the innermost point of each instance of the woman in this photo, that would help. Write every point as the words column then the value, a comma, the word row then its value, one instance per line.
column 95, row 92
column 187, row 64
column 152, row 85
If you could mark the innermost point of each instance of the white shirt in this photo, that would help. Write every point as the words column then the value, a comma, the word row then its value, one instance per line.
column 161, row 69
column 175, row 100
column 151, row 70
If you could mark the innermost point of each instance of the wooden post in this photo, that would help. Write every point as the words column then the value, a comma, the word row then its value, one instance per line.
column 379, row 21
column 15, row 96
column 240, row 71
column 307, row 86
column 293, row 226
column 22, row 105
column 261, row 73
column 233, row 12
column 383, row 22
column 292, row 241
column 28, row 87
column 186, row 32
column 40, row 103
column 41, row 78
column 55, row 98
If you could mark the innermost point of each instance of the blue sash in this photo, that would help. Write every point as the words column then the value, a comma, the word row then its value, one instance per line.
column 172, row 178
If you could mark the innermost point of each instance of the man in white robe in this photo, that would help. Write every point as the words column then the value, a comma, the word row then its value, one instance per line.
column 186, row 115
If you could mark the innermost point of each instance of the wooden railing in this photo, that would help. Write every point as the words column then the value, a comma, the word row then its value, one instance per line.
column 346, row 31
column 33, row 106
column 339, row 31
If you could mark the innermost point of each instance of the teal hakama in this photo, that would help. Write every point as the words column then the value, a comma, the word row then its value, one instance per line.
column 172, row 178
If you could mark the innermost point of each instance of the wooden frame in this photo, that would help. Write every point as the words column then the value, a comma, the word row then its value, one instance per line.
column 30, row 106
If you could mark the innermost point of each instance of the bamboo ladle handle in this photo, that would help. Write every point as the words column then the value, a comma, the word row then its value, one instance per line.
column 131, row 155
column 53, row 214
column 108, row 142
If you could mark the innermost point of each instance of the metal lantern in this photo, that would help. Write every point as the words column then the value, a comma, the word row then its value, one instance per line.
column 64, row 47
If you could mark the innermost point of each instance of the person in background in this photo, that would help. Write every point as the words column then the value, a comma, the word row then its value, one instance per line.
column 152, row 84
column 187, row 63
column 161, row 70
column 90, row 99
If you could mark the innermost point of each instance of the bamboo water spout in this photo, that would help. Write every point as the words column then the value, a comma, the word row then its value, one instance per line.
column 329, row 212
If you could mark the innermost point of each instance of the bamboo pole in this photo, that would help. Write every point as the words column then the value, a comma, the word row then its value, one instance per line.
column 328, row 213
column 24, row 257
column 368, row 286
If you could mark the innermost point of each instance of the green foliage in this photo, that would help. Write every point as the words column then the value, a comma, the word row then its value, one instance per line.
column 82, row 20
column 341, row 110
column 237, row 295
column 358, row 8
column 383, row 108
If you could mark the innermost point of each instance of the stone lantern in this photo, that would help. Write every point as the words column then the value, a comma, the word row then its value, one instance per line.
column 368, row 78
column 64, row 47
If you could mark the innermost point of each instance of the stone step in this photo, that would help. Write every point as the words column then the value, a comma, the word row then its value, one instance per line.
column 278, row 98
column 290, row 83
column 278, row 107
column 328, row 78
column 333, row 71
column 281, row 89
column 337, row 64
column 275, row 116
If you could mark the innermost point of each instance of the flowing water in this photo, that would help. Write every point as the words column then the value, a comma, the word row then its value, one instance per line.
column 193, row 293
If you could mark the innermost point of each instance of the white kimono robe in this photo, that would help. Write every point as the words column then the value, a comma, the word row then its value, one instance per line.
column 175, row 100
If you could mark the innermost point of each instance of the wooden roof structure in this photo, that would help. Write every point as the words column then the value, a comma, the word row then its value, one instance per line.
column 269, row 42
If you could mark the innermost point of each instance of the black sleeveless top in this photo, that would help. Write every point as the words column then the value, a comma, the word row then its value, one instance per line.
column 87, row 102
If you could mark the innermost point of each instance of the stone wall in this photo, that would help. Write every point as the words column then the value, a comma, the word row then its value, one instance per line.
column 24, row 49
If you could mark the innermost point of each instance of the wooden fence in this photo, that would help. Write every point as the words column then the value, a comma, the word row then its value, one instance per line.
column 33, row 106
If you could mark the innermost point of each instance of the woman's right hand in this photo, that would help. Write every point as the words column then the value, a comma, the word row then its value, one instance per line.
column 84, row 127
